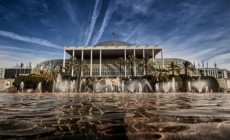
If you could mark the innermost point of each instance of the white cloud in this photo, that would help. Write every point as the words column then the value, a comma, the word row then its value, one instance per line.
column 29, row 39
column 96, row 12
column 112, row 7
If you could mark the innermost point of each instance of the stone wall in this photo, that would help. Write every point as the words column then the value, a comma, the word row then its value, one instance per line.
column 3, row 85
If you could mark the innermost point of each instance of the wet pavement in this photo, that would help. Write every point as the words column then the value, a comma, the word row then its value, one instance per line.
column 115, row 116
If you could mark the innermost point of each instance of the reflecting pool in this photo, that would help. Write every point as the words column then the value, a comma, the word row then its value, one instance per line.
column 115, row 116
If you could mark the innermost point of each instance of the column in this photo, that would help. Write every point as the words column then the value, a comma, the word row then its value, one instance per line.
column 153, row 57
column 135, row 68
column 73, row 55
column 64, row 58
column 144, row 58
column 82, row 57
column 91, row 62
column 100, row 64
column 125, row 62
column 163, row 63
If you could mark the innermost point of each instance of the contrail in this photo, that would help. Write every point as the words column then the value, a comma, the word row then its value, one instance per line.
column 96, row 12
column 29, row 39
column 112, row 7
column 69, row 9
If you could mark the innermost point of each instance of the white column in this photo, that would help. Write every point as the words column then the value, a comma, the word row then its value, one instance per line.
column 135, row 68
column 82, row 57
column 63, row 70
column 91, row 62
column 144, row 58
column 163, row 63
column 64, row 58
column 125, row 62
column 73, row 55
column 153, row 57
column 100, row 64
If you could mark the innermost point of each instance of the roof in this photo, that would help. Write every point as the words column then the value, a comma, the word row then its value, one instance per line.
column 113, row 43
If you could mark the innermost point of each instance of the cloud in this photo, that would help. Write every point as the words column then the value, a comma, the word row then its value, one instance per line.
column 29, row 39
column 138, row 6
column 71, row 13
column 96, row 12
column 112, row 7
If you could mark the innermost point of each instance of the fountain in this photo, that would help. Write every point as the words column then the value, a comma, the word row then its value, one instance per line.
column 139, row 88
column 206, row 89
column 104, row 85
column 39, row 87
column 199, row 85
column 157, row 87
column 22, row 86
column 189, row 86
column 173, row 85
column 82, row 83
column 129, row 85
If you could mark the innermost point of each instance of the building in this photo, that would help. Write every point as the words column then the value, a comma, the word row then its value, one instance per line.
column 102, row 57
column 214, row 72
column 2, row 73
column 11, row 73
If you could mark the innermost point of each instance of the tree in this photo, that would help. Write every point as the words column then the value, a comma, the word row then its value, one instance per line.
column 30, row 81
column 161, row 74
column 82, row 67
column 174, row 68
column 73, row 65
column 121, row 62
column 188, row 69
column 48, row 78
column 146, row 65
column 132, row 61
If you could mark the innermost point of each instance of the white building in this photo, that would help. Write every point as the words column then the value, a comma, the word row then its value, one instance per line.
column 2, row 73
column 102, row 57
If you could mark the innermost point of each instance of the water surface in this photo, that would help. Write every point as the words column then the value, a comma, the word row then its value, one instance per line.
column 114, row 116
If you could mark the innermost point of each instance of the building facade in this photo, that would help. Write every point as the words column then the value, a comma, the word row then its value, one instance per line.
column 102, row 57
column 2, row 73
column 11, row 73
column 214, row 72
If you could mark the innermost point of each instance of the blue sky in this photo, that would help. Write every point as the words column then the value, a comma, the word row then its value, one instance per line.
column 37, row 30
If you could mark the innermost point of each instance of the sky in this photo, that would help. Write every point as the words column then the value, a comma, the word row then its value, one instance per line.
column 38, row 30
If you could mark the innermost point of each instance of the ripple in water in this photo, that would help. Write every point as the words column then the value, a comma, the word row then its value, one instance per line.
column 19, row 128
column 114, row 116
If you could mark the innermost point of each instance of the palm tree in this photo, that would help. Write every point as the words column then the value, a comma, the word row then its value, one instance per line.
column 121, row 62
column 146, row 65
column 188, row 68
column 82, row 67
column 43, row 74
column 132, row 61
column 174, row 68
column 53, row 77
column 160, row 75
column 73, row 64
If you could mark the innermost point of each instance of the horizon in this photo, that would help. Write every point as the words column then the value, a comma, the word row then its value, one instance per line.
column 35, row 31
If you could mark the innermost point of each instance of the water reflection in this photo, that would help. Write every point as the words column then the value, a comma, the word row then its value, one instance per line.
column 127, row 116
